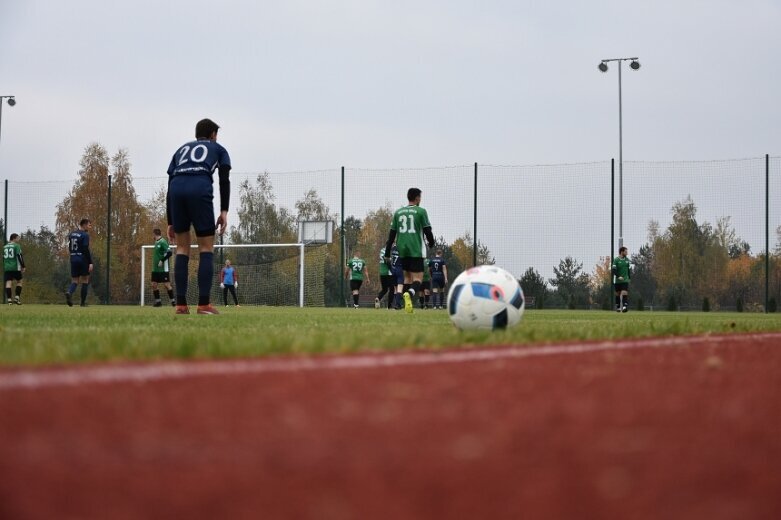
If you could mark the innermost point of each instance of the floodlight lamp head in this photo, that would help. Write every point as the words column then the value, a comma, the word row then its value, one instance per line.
column 634, row 65
column 11, row 101
column 603, row 66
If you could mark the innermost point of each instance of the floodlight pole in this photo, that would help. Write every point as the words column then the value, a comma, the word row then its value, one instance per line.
column 11, row 102
column 603, row 67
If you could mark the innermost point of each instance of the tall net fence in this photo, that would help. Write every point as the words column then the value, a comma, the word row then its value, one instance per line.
column 696, row 230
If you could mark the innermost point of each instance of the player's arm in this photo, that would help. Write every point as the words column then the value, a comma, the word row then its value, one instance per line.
column 389, row 243
column 429, row 236
column 444, row 271
column 225, row 196
column 86, row 253
column 20, row 259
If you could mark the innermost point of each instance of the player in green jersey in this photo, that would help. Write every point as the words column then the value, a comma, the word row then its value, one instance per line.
column 13, row 267
column 621, row 270
column 161, row 268
column 408, row 227
column 355, row 271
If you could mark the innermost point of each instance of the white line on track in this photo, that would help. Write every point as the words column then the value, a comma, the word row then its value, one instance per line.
column 166, row 370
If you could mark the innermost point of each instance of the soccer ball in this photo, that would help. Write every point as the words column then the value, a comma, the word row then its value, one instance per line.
column 485, row 297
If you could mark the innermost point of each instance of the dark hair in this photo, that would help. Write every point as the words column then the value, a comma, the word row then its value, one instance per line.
column 13, row 236
column 621, row 249
column 83, row 222
column 413, row 193
column 204, row 128
column 156, row 231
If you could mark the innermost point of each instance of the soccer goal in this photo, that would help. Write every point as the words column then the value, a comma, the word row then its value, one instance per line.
column 268, row 274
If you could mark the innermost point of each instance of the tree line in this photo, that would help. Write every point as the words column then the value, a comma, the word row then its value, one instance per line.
column 689, row 265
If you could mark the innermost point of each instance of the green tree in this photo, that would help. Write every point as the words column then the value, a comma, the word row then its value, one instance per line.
column 89, row 198
column 47, row 272
column 572, row 285
column 643, row 283
column 689, row 259
column 534, row 286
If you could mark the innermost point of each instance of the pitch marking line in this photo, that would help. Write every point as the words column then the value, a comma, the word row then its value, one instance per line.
column 167, row 370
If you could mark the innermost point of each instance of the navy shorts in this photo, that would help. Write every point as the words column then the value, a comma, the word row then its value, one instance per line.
column 438, row 281
column 79, row 267
column 355, row 285
column 192, row 204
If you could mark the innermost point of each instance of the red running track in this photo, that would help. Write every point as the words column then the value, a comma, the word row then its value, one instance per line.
column 651, row 429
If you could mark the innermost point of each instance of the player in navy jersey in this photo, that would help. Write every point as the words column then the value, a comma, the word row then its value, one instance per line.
column 81, row 261
column 438, row 268
column 398, row 273
column 189, row 203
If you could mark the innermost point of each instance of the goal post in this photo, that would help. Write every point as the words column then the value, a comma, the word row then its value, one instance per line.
column 268, row 274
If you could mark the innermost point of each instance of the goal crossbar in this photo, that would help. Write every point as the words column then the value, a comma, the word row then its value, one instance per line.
column 234, row 246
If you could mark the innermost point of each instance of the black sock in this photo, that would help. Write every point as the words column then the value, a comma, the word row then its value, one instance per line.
column 171, row 294
column 84, row 289
column 18, row 290
column 181, row 264
column 618, row 300
column 415, row 287
column 355, row 299
column 156, row 294
column 8, row 293
column 205, row 277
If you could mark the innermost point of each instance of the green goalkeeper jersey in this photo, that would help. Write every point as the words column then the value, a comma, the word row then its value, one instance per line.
column 408, row 222
column 621, row 269
column 161, row 264
column 356, row 266
column 12, row 253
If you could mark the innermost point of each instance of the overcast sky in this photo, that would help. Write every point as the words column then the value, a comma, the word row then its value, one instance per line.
column 300, row 85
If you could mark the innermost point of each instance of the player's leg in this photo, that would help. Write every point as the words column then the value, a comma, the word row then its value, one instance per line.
column 84, row 281
column 233, row 293
column 156, row 292
column 624, row 300
column 169, row 289
column 618, row 301
column 181, row 270
column 355, row 287
column 7, row 277
column 75, row 274
column 205, row 272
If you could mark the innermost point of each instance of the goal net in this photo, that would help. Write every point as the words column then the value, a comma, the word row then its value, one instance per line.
column 267, row 274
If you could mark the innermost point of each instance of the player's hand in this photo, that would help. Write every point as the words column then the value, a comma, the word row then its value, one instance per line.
column 160, row 263
column 90, row 268
column 222, row 286
column 620, row 277
column 236, row 285
column 222, row 222
column 431, row 245
column 387, row 260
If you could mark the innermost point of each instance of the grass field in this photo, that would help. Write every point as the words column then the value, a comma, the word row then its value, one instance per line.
column 47, row 334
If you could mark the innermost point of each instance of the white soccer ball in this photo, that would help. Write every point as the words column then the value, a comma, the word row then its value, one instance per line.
column 485, row 297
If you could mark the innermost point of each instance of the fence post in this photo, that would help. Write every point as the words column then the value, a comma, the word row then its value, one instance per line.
column 5, row 213
column 341, row 248
column 767, row 232
column 108, row 246
column 474, row 249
